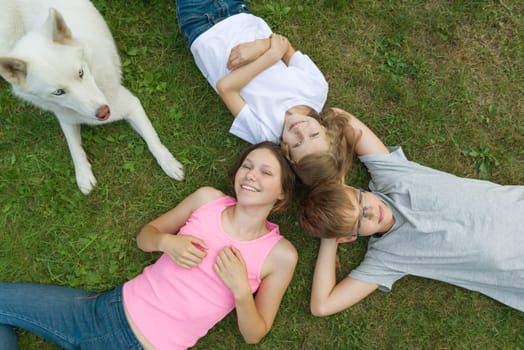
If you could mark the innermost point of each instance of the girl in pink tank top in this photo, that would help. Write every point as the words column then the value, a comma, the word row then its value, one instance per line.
column 217, row 251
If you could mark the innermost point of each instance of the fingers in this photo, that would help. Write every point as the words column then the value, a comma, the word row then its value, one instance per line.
column 230, row 267
column 187, row 262
column 191, row 258
column 279, row 44
column 225, row 256
column 277, row 38
column 187, row 251
column 233, row 58
column 238, row 255
column 229, row 256
column 236, row 59
column 233, row 64
column 276, row 35
column 223, row 263
column 195, row 253
column 200, row 244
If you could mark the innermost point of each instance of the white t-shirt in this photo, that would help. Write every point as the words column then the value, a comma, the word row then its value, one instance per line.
column 272, row 92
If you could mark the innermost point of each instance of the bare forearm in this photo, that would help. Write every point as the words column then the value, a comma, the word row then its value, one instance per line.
column 237, row 79
column 363, row 138
column 289, row 53
column 324, row 278
column 262, row 46
column 230, row 85
column 250, row 323
column 246, row 53
column 328, row 297
column 150, row 239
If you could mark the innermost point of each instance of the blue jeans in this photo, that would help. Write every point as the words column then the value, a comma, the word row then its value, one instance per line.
column 196, row 16
column 71, row 318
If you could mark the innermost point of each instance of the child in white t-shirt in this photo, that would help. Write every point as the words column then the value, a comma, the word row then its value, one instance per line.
column 272, row 90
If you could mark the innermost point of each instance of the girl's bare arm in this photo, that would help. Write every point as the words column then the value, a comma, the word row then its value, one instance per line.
column 230, row 85
column 368, row 143
column 161, row 233
column 255, row 315
column 246, row 53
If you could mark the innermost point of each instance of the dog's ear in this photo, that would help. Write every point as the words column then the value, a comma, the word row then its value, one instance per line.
column 13, row 70
column 57, row 28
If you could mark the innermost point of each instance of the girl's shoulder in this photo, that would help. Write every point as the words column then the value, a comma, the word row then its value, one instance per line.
column 281, row 260
column 206, row 199
column 284, row 253
column 207, row 194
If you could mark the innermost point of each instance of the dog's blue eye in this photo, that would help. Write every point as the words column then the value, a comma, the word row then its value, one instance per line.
column 58, row 92
column 81, row 73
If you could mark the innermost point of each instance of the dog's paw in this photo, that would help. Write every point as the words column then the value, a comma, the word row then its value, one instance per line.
column 86, row 181
column 172, row 167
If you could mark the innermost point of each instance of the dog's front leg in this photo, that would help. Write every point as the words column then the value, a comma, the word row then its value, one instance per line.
column 84, row 175
column 130, row 108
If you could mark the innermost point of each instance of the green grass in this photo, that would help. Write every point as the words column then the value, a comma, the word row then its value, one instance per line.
column 445, row 79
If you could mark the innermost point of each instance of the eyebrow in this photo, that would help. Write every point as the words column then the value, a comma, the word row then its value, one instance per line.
column 262, row 165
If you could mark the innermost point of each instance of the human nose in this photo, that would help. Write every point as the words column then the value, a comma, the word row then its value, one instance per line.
column 250, row 175
column 301, row 129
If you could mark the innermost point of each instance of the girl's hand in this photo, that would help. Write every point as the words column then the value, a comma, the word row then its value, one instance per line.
column 246, row 53
column 279, row 45
column 185, row 250
column 231, row 268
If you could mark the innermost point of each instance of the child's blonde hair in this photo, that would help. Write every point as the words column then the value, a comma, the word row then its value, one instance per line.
column 332, row 165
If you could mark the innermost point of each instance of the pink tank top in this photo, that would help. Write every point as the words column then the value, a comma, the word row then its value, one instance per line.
column 173, row 307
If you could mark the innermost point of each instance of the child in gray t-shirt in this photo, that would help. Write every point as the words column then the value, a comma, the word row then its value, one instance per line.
column 423, row 222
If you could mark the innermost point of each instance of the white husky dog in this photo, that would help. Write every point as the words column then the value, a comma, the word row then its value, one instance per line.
column 60, row 56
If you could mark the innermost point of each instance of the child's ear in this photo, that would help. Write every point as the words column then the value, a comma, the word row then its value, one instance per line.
column 346, row 239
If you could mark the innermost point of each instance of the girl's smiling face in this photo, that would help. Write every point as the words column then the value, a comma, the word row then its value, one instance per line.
column 303, row 135
column 258, row 179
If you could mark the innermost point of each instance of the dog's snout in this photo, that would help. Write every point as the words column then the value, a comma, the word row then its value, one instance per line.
column 103, row 113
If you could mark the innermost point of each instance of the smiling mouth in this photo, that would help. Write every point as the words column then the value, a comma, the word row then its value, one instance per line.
column 249, row 188
column 380, row 214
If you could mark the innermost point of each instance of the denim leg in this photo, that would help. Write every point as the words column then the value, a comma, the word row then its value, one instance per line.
column 196, row 16
column 8, row 339
column 71, row 318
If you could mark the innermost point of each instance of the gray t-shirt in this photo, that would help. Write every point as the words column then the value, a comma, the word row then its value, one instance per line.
column 466, row 232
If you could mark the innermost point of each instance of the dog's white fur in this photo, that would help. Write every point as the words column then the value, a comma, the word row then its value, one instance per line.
column 60, row 56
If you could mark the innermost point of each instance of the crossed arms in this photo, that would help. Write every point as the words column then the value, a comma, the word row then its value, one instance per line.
column 246, row 61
